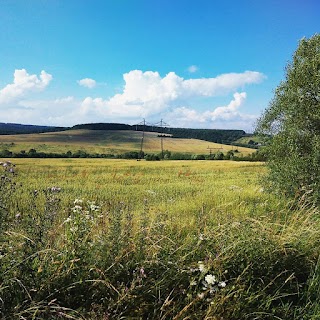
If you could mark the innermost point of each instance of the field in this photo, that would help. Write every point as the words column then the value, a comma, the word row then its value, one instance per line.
column 107, row 141
column 116, row 239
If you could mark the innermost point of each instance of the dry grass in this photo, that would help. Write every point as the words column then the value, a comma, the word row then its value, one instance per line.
column 101, row 141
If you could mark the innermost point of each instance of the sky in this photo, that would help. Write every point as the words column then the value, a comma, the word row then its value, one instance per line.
column 192, row 63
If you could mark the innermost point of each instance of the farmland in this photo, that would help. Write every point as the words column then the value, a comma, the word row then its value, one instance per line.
column 111, row 239
column 107, row 141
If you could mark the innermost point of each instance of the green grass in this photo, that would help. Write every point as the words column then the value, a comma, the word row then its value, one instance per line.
column 100, row 141
column 151, row 249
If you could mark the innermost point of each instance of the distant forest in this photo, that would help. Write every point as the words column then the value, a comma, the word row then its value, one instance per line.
column 15, row 128
column 213, row 135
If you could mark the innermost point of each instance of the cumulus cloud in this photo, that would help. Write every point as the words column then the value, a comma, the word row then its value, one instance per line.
column 87, row 82
column 193, row 69
column 146, row 93
column 231, row 110
column 228, row 115
column 22, row 84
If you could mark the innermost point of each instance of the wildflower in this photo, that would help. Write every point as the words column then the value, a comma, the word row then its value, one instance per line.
column 202, row 267
column 201, row 237
column 222, row 284
column 93, row 207
column 55, row 189
column 67, row 220
column 210, row 279
column 142, row 273
column 78, row 201
column 200, row 295
column 76, row 208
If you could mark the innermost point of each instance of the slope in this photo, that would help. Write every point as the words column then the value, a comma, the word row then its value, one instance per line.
column 108, row 141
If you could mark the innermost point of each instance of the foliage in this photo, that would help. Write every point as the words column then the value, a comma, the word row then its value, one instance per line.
column 166, row 155
column 293, row 118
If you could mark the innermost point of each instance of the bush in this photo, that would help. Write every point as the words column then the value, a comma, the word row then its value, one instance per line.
column 293, row 120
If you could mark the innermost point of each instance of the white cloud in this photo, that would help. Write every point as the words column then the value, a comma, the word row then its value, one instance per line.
column 144, row 95
column 227, row 116
column 222, row 84
column 87, row 82
column 22, row 84
column 231, row 110
column 147, row 93
column 193, row 69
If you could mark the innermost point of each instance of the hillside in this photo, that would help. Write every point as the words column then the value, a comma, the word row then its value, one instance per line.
column 16, row 128
column 108, row 141
column 213, row 135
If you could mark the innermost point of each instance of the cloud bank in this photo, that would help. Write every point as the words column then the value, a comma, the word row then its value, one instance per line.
column 144, row 95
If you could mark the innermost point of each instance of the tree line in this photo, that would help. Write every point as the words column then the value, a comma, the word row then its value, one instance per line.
column 166, row 155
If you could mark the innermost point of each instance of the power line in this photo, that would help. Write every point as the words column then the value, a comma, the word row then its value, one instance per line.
column 161, row 124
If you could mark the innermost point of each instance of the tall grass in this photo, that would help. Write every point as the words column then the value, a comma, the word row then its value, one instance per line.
column 91, row 239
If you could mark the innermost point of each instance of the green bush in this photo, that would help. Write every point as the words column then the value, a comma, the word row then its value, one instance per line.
column 292, row 119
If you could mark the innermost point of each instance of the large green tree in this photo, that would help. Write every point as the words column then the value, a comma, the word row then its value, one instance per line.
column 293, row 121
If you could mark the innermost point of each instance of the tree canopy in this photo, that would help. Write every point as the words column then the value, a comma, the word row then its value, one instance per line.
column 293, row 121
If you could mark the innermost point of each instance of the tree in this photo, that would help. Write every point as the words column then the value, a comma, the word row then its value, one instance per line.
column 293, row 121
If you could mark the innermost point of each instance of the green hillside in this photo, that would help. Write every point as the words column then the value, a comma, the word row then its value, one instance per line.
column 108, row 141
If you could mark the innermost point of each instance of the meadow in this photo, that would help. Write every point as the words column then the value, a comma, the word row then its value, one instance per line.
column 121, row 239
column 108, row 141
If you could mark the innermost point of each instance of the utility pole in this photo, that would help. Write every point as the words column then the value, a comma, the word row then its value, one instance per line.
column 141, row 148
column 162, row 135
column 138, row 125
column 161, row 123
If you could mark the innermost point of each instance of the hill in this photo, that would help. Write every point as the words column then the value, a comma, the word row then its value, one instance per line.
column 16, row 128
column 213, row 135
column 108, row 142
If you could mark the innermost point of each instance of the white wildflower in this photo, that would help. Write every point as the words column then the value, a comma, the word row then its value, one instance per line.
column 67, row 220
column 202, row 267
column 55, row 189
column 210, row 279
column 222, row 284
column 76, row 208
column 200, row 295
column 93, row 207
column 78, row 201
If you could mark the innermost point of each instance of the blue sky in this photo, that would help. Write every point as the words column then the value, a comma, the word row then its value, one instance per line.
column 192, row 63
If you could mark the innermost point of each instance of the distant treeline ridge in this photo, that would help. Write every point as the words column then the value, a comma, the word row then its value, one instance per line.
column 213, row 135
